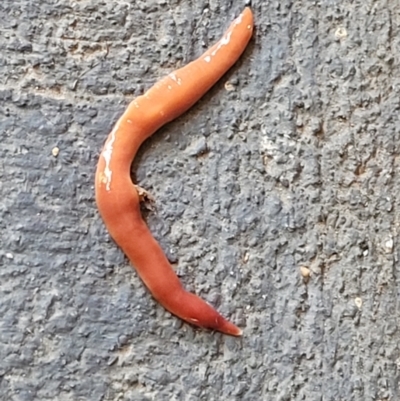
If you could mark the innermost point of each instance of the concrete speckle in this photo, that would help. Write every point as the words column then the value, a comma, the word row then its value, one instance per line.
column 289, row 163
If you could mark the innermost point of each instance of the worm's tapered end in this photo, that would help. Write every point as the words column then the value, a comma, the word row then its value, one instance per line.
column 229, row 328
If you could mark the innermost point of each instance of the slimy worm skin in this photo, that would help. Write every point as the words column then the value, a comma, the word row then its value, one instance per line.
column 117, row 198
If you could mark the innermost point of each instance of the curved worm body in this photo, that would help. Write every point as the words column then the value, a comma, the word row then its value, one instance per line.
column 116, row 196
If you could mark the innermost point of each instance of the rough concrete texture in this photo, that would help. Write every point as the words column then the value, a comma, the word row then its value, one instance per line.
column 287, row 167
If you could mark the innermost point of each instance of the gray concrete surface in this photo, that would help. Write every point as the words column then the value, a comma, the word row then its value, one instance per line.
column 301, row 172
